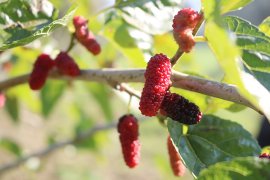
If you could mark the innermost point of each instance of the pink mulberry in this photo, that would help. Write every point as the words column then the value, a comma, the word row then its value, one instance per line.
column 176, row 163
column 183, row 24
column 84, row 36
column 2, row 100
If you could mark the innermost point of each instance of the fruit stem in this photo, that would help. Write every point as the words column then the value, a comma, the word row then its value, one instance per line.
column 71, row 44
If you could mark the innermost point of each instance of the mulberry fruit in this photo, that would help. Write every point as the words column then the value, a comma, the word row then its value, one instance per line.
column 265, row 156
column 157, row 82
column 180, row 109
column 40, row 71
column 183, row 25
column 84, row 36
column 176, row 163
column 128, row 129
column 2, row 100
column 66, row 65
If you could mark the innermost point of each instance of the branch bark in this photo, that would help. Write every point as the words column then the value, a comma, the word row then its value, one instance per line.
column 180, row 80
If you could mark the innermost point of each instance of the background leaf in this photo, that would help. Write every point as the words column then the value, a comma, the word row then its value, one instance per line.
column 228, row 56
column 12, row 107
column 126, row 44
column 50, row 94
column 227, row 5
column 11, row 146
column 157, row 15
column 212, row 140
column 102, row 95
column 18, row 35
column 248, row 168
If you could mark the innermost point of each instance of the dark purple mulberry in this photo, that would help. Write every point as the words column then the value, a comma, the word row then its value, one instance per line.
column 265, row 156
column 180, row 109
column 157, row 82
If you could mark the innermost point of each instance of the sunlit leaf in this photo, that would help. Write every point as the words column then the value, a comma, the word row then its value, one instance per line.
column 265, row 26
column 239, row 168
column 157, row 15
column 227, row 5
column 229, row 57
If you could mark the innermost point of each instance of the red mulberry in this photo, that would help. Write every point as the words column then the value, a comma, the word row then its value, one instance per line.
column 84, row 36
column 183, row 24
column 180, row 109
column 176, row 163
column 265, row 156
column 66, row 65
column 128, row 134
column 2, row 100
column 157, row 82
column 40, row 71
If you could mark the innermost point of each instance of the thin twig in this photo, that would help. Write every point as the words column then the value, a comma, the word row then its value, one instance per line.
column 80, row 137
column 71, row 43
column 180, row 80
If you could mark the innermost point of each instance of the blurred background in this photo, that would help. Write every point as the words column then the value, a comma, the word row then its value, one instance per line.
column 31, row 121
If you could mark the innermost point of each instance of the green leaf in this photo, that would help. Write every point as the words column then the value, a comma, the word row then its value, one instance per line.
column 10, row 146
column 256, row 48
column 265, row 26
column 12, row 107
column 248, row 168
column 102, row 95
column 228, row 5
column 50, row 94
column 16, row 35
column 228, row 55
column 236, row 107
column 140, row 3
column 118, row 35
column 157, row 15
column 212, row 140
column 84, row 124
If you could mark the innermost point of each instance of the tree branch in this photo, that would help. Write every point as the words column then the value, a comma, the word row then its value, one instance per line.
column 180, row 80
column 50, row 149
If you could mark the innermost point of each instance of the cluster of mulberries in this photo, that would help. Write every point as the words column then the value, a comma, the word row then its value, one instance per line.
column 128, row 129
column 157, row 82
column 183, row 24
column 180, row 109
column 176, row 163
column 41, row 69
column 84, row 36
column 2, row 100
column 63, row 62
column 265, row 156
